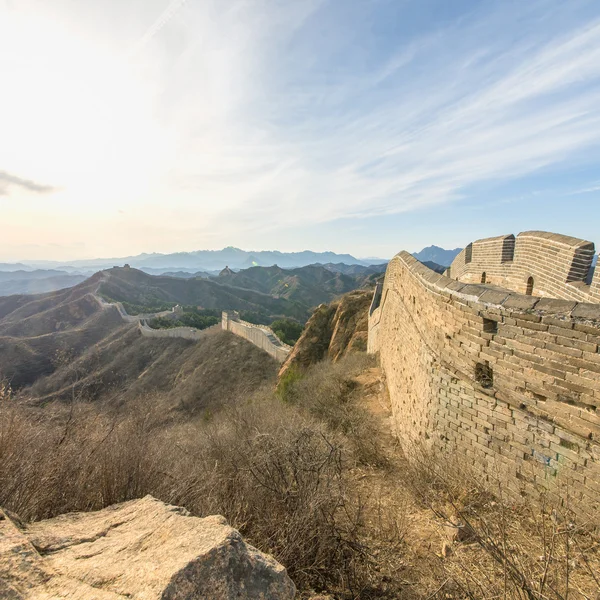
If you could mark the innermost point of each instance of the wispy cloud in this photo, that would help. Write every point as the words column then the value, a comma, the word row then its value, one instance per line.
column 586, row 190
column 7, row 180
column 163, row 19
column 275, row 114
column 300, row 134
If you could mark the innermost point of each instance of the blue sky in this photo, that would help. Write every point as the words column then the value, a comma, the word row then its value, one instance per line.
column 362, row 126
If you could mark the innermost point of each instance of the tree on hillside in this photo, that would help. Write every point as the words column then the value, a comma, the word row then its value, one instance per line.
column 287, row 331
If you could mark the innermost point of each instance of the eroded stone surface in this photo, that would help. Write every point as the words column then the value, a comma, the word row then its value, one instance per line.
column 143, row 549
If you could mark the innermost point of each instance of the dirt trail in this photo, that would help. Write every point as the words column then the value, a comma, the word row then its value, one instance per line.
column 424, row 537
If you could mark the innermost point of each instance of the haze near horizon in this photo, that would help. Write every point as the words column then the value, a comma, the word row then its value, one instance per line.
column 356, row 127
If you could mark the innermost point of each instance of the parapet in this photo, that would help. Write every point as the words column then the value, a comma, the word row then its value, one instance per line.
column 507, row 383
column 535, row 263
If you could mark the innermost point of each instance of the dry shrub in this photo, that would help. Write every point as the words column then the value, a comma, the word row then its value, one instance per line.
column 327, row 392
column 276, row 473
column 530, row 549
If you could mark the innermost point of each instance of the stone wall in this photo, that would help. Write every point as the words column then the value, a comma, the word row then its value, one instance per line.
column 509, row 382
column 553, row 265
column 187, row 333
column 136, row 318
column 259, row 335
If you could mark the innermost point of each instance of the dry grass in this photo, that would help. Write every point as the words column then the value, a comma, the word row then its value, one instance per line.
column 491, row 546
column 314, row 480
column 279, row 475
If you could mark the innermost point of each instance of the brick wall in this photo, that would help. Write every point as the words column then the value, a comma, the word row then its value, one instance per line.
column 558, row 265
column 511, row 382
column 186, row 333
column 259, row 335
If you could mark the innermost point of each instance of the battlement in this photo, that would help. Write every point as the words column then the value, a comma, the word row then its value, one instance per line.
column 508, row 381
column 259, row 335
column 536, row 263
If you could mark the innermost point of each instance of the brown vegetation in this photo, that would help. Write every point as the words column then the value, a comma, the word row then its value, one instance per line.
column 314, row 478
column 279, row 475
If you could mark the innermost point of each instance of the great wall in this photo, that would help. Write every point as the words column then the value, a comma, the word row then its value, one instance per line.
column 259, row 335
column 497, row 362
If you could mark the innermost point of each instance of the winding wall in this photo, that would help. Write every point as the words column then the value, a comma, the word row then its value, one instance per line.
column 510, row 382
column 259, row 335
column 187, row 333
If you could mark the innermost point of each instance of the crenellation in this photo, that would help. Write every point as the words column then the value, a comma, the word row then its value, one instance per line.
column 539, row 421
column 534, row 263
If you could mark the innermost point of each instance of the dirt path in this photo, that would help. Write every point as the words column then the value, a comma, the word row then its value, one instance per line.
column 424, row 538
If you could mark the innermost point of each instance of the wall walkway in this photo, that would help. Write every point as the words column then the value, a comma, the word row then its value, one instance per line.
column 186, row 333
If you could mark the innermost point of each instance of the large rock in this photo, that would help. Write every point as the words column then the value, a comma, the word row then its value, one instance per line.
column 143, row 549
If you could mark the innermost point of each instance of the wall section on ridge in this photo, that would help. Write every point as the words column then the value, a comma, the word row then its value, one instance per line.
column 260, row 335
column 558, row 265
column 510, row 382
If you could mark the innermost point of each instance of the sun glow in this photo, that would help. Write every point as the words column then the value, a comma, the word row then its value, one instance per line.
column 73, row 115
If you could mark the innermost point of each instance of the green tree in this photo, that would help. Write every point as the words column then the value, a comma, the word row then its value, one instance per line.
column 287, row 331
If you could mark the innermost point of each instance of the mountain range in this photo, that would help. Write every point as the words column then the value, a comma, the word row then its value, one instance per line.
column 66, row 344
column 209, row 260
column 437, row 255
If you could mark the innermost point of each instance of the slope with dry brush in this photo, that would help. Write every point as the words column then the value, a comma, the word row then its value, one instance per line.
column 316, row 478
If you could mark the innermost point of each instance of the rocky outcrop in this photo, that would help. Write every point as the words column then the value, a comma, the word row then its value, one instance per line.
column 332, row 331
column 142, row 549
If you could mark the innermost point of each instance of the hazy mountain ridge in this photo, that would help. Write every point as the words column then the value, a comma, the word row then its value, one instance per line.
column 435, row 267
column 136, row 287
column 209, row 260
column 38, row 281
column 438, row 255
column 310, row 285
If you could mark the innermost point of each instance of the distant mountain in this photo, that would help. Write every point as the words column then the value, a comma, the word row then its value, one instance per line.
column 435, row 267
column 36, row 282
column 210, row 260
column 437, row 255
column 136, row 287
column 355, row 269
column 14, row 267
column 185, row 274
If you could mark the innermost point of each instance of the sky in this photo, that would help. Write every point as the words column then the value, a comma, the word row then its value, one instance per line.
column 360, row 126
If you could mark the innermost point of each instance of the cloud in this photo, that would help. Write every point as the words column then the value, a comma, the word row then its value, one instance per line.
column 293, row 122
column 272, row 114
column 163, row 19
column 8, row 180
column 587, row 190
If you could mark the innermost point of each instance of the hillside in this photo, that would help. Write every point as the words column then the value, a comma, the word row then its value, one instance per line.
column 137, row 287
column 63, row 345
column 333, row 330
column 310, row 285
